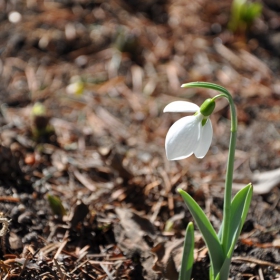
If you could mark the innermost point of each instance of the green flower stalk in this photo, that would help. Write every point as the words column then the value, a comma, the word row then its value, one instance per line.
column 193, row 135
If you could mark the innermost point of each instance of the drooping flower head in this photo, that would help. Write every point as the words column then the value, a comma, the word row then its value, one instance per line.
column 192, row 134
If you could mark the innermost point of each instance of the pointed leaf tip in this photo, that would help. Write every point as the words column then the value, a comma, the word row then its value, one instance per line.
column 188, row 254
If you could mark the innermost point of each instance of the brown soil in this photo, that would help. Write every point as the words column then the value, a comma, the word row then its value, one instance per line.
column 101, row 151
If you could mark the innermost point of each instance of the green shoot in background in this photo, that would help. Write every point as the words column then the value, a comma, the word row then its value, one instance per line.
column 243, row 14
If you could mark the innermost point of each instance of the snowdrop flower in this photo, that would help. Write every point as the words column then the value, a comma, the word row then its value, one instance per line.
column 192, row 134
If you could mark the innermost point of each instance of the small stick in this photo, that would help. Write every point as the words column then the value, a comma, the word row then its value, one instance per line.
column 3, row 232
column 9, row 199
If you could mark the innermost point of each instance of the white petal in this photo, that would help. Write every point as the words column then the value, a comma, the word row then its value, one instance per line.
column 181, row 106
column 204, row 140
column 182, row 137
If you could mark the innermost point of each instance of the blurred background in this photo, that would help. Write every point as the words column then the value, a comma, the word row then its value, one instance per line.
column 83, row 86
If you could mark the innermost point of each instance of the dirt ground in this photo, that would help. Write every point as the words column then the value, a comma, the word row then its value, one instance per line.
column 86, row 191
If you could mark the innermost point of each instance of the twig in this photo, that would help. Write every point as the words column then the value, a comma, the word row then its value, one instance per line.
column 3, row 232
column 9, row 199
column 110, row 276
column 62, row 275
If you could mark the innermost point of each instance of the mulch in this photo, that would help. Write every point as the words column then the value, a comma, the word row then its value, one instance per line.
column 83, row 87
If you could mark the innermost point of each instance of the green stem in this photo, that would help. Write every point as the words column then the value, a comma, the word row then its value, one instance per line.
column 230, row 164
column 228, row 193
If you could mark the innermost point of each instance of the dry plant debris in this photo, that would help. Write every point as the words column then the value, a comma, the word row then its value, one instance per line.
column 104, row 70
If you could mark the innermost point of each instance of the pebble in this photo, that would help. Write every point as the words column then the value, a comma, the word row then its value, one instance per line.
column 25, row 218
column 81, row 60
column 14, row 17
column 32, row 236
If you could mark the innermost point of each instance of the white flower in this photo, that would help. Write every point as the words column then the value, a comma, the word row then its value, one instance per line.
column 188, row 135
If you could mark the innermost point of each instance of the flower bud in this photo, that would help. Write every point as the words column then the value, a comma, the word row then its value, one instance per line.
column 207, row 107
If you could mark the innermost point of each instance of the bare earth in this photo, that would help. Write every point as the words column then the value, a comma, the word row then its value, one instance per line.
column 100, row 150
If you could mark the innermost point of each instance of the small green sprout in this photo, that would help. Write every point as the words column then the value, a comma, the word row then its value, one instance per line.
column 56, row 205
column 41, row 128
column 243, row 14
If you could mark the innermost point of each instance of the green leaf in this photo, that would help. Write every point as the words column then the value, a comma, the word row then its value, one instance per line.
column 209, row 235
column 187, row 260
column 211, row 274
column 56, row 205
column 220, row 233
column 239, row 209
column 223, row 274
column 250, row 11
